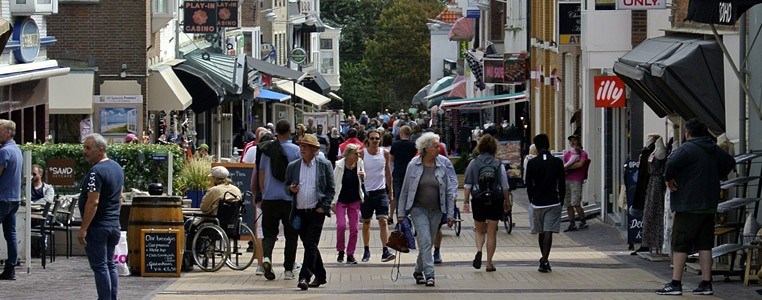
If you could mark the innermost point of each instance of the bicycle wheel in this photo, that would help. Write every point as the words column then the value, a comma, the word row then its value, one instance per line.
column 458, row 221
column 210, row 248
column 238, row 258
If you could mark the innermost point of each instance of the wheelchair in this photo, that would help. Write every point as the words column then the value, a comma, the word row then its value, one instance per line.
column 217, row 240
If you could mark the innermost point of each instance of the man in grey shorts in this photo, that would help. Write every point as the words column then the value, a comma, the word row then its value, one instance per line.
column 546, row 187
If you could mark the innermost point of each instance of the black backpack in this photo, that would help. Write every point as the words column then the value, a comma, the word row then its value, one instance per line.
column 488, row 183
column 278, row 159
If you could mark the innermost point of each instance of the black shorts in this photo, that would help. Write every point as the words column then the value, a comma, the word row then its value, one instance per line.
column 483, row 212
column 377, row 202
column 692, row 232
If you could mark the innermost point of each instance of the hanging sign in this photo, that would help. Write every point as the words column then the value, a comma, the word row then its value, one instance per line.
column 298, row 55
column 200, row 17
column 609, row 91
column 227, row 14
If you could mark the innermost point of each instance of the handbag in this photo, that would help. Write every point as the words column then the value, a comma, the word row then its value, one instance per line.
column 398, row 241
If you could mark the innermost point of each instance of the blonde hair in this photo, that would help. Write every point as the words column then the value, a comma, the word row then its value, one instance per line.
column 533, row 149
column 350, row 147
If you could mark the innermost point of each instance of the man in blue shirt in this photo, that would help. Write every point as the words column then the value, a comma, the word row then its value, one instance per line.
column 99, row 204
column 10, row 195
column 276, row 204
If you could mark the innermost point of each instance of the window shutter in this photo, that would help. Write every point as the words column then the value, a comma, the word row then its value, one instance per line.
column 497, row 20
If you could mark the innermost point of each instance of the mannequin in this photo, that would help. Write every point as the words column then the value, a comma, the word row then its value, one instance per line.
column 653, row 213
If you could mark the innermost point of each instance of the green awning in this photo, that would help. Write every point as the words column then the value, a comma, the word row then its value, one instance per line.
column 484, row 102
column 213, row 78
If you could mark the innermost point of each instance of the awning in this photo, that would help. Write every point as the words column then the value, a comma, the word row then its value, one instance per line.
column 6, row 31
column 301, row 92
column 335, row 97
column 462, row 30
column 165, row 92
column 211, row 78
column 484, row 102
column 31, row 71
column 272, row 70
column 272, row 96
column 678, row 74
column 420, row 96
column 71, row 93
column 458, row 90
column 316, row 26
column 723, row 12
column 316, row 82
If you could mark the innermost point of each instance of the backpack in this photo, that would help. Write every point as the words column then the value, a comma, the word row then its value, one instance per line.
column 488, row 183
column 278, row 159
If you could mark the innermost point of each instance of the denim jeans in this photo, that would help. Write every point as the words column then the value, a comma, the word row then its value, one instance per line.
column 426, row 223
column 8, row 219
column 343, row 210
column 101, row 242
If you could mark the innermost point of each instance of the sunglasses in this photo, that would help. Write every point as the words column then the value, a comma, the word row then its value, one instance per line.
column 374, row 139
column 34, row 174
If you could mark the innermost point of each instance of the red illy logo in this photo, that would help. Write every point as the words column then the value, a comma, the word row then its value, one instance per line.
column 609, row 91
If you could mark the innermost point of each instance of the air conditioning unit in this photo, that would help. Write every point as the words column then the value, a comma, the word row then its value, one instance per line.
column 33, row 7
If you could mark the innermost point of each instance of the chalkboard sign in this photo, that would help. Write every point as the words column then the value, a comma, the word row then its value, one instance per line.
column 634, row 229
column 160, row 252
column 240, row 174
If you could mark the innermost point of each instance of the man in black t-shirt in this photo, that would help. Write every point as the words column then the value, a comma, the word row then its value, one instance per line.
column 402, row 152
column 99, row 204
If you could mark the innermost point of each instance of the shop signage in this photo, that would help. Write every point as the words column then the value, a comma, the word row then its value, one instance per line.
column 515, row 68
column 494, row 70
column 609, row 91
column 724, row 12
column 473, row 13
column 27, row 34
column 120, row 99
column 298, row 55
column 462, row 48
column 640, row 4
column 227, row 14
column 200, row 17
column 60, row 172
column 160, row 252
column 569, row 23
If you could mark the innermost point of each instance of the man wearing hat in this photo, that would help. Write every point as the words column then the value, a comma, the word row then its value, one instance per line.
column 310, row 182
column 131, row 139
column 203, row 151
column 222, row 188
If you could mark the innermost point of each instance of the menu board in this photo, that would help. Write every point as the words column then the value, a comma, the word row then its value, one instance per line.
column 240, row 174
column 160, row 252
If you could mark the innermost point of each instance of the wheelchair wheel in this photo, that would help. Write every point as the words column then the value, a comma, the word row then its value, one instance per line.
column 210, row 248
column 238, row 258
column 458, row 221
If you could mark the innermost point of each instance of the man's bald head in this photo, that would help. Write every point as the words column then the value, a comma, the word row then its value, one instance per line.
column 258, row 131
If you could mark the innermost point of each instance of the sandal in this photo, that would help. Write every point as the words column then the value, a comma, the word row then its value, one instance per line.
column 477, row 263
column 491, row 269
column 430, row 281
column 419, row 278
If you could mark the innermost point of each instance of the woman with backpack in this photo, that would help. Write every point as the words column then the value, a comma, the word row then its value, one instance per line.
column 486, row 183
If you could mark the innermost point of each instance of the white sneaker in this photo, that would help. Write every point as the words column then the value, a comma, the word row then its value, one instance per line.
column 297, row 266
column 260, row 271
column 288, row 275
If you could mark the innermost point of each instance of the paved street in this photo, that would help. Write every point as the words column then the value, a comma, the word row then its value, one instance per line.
column 591, row 264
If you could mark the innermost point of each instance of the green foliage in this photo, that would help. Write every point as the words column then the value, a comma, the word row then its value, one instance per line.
column 194, row 176
column 136, row 159
column 462, row 163
column 384, row 50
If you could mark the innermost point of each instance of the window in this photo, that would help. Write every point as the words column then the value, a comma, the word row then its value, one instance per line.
column 326, row 62
column 326, row 44
column 160, row 6
column 605, row 4
column 44, row 1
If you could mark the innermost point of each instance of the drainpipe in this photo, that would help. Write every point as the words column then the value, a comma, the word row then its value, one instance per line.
column 742, row 92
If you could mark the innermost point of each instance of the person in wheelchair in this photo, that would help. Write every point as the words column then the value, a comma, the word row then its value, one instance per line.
column 222, row 190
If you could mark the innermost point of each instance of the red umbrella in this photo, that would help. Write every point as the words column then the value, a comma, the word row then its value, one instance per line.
column 459, row 91
column 462, row 30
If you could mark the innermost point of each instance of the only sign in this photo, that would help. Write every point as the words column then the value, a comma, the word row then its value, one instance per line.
column 609, row 91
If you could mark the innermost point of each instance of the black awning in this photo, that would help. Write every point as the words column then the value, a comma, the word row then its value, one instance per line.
column 680, row 75
column 271, row 69
column 318, row 26
column 206, row 91
column 317, row 83
column 723, row 12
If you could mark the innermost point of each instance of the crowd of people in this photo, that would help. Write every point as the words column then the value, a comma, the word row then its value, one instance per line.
column 358, row 174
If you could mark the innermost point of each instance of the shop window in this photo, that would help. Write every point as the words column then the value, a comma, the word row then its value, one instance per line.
column 326, row 62
column 32, row 7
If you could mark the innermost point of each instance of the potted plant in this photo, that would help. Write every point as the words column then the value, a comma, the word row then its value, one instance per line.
column 193, row 179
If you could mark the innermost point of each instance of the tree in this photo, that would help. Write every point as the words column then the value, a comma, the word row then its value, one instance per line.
column 357, row 19
column 398, row 56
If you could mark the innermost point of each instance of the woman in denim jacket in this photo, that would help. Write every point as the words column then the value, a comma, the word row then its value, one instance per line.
column 424, row 197
column 346, row 202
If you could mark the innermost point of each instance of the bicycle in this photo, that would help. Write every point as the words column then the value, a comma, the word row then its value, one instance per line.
column 507, row 219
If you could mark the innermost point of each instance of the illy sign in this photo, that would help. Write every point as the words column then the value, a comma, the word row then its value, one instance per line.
column 609, row 91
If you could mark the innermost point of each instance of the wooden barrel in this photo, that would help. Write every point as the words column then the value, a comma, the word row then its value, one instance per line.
column 157, row 212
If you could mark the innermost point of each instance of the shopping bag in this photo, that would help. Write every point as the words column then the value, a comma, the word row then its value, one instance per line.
column 120, row 256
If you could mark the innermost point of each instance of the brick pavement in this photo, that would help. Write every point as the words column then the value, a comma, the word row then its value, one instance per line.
column 591, row 264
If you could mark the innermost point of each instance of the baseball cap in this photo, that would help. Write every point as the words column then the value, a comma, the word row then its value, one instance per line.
column 219, row 172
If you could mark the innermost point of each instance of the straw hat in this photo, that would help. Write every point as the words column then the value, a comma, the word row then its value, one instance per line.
column 310, row 139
